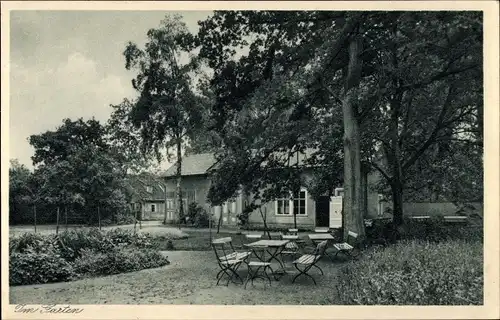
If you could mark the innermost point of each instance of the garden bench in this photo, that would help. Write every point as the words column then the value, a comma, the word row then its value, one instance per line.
column 455, row 219
column 316, row 238
column 307, row 261
column 347, row 247
column 228, row 259
column 420, row 218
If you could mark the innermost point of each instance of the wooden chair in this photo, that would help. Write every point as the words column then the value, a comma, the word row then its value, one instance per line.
column 348, row 247
column 307, row 261
column 228, row 259
column 291, row 248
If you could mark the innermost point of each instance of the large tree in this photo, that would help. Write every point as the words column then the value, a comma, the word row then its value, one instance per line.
column 288, row 58
column 394, row 73
column 429, row 83
column 167, row 109
column 75, row 165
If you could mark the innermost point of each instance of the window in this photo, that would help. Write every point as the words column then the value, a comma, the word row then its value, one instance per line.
column 287, row 206
column 229, row 206
column 170, row 204
column 299, row 202
column 149, row 189
column 153, row 208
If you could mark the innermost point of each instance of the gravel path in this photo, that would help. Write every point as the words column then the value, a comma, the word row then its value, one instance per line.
column 189, row 279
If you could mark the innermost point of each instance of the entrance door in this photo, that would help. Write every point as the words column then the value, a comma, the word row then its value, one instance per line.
column 323, row 211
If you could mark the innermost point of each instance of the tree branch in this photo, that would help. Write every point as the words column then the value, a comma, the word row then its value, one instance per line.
column 441, row 75
column 433, row 135
column 382, row 171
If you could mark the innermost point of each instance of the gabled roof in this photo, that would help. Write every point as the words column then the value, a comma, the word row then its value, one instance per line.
column 137, row 185
column 199, row 164
column 195, row 164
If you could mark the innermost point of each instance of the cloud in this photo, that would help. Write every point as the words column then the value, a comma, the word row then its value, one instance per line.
column 42, row 96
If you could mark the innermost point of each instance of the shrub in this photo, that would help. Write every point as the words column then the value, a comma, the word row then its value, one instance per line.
column 33, row 267
column 28, row 240
column 198, row 216
column 123, row 218
column 36, row 258
column 118, row 261
column 415, row 273
column 436, row 230
column 72, row 242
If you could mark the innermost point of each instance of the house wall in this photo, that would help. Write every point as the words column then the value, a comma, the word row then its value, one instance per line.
column 148, row 214
column 201, row 184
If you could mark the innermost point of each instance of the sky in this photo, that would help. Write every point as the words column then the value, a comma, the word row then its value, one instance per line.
column 69, row 64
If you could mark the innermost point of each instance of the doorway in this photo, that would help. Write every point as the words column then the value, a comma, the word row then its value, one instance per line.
column 323, row 211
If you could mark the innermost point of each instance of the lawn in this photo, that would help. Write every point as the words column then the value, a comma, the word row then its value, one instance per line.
column 189, row 279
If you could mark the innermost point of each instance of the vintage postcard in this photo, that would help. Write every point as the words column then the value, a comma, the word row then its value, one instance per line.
column 250, row 160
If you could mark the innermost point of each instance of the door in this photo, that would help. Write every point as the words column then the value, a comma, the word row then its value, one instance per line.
column 336, row 212
column 322, row 211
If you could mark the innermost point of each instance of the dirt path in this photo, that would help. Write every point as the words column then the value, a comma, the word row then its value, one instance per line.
column 189, row 279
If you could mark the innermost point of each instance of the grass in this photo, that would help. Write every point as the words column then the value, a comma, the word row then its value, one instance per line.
column 189, row 279
column 200, row 241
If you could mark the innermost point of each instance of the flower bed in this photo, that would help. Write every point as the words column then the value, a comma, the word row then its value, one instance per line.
column 415, row 272
column 35, row 258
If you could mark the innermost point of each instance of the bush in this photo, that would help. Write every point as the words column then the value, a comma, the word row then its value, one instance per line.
column 436, row 230
column 125, row 219
column 72, row 242
column 415, row 273
column 36, row 258
column 33, row 267
column 198, row 216
column 117, row 261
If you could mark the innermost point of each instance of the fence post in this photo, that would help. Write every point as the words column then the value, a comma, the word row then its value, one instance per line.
column 57, row 221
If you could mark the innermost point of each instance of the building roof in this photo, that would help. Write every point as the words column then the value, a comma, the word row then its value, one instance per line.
column 199, row 164
column 194, row 164
column 137, row 185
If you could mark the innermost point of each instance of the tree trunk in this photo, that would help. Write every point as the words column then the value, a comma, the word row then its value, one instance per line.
column 219, row 221
column 353, row 220
column 57, row 221
column 364, row 189
column 264, row 219
column 397, row 203
column 34, row 216
column 135, row 221
column 179, row 181
column 210, row 225
column 99, row 216
column 66, row 216
column 165, row 205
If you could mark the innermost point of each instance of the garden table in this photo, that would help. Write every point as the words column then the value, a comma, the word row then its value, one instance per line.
column 272, row 247
column 316, row 238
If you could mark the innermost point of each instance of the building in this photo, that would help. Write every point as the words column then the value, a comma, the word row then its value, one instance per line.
column 322, row 212
column 148, row 196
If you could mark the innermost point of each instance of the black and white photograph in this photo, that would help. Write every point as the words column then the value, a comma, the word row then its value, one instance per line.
column 318, row 157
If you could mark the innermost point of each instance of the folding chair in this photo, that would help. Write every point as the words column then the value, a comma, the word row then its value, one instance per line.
column 228, row 259
column 293, row 232
column 291, row 248
column 348, row 247
column 254, row 273
column 308, row 261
